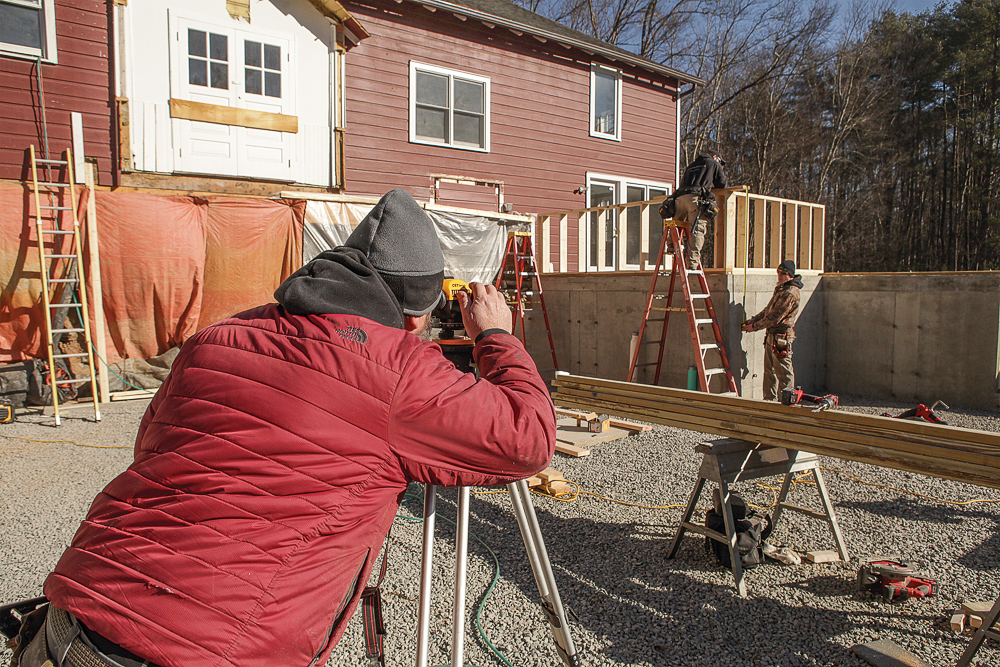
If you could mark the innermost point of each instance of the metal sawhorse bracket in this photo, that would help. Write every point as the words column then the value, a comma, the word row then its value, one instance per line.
column 729, row 460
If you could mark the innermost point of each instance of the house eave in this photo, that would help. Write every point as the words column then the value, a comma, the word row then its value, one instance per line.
column 542, row 34
column 334, row 9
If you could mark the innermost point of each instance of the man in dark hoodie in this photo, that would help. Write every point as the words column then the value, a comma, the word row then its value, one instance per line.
column 269, row 466
column 695, row 202
column 778, row 318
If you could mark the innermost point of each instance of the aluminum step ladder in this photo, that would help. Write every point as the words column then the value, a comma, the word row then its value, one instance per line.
column 519, row 281
column 61, row 267
column 710, row 356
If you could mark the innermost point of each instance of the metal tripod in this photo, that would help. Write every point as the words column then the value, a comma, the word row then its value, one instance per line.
column 524, row 510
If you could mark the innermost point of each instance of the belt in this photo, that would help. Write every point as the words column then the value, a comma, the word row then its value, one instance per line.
column 70, row 646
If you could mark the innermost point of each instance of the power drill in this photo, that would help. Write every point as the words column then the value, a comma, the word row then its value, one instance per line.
column 796, row 396
column 895, row 580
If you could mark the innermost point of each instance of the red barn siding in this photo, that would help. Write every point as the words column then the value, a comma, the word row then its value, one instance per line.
column 540, row 146
column 79, row 82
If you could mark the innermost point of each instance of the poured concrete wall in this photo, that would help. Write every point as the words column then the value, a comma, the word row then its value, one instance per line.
column 914, row 337
column 593, row 319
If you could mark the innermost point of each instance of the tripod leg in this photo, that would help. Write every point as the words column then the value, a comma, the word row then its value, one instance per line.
column 461, row 560
column 424, row 606
column 520, row 498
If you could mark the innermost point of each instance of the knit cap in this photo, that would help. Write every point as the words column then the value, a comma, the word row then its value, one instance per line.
column 787, row 266
column 399, row 240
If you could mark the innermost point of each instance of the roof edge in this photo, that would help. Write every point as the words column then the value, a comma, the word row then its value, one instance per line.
column 613, row 54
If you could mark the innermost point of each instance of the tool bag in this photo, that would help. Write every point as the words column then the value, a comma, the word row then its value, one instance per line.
column 669, row 207
column 707, row 203
column 752, row 530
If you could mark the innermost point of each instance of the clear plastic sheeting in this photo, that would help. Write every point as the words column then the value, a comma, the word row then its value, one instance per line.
column 473, row 244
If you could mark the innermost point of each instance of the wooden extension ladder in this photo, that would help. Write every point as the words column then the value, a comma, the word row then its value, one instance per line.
column 61, row 264
column 698, row 304
column 988, row 630
column 519, row 281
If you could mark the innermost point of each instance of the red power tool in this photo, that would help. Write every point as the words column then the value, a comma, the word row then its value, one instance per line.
column 894, row 580
column 798, row 397
column 922, row 412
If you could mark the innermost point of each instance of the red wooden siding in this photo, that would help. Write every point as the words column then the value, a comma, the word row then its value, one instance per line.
column 540, row 146
column 80, row 82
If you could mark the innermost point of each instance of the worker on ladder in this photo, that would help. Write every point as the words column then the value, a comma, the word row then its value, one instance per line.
column 778, row 318
column 696, row 203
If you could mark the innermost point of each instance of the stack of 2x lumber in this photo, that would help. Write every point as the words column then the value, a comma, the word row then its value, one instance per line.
column 949, row 452
column 550, row 481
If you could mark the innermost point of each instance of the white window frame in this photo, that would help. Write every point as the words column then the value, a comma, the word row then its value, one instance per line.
column 48, row 53
column 617, row 74
column 621, row 185
column 452, row 75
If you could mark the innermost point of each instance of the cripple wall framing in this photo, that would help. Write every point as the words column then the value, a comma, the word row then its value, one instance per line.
column 914, row 337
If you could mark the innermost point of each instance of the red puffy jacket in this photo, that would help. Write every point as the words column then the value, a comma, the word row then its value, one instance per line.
column 268, row 469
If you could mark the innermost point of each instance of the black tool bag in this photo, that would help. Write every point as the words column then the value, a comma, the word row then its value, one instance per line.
column 707, row 203
column 751, row 531
column 669, row 207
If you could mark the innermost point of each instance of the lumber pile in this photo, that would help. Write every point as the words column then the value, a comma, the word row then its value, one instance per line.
column 949, row 452
column 550, row 481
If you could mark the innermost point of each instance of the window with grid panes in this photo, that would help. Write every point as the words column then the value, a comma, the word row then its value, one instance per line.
column 27, row 28
column 449, row 108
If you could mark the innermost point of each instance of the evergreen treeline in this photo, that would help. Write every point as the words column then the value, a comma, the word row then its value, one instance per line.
column 889, row 119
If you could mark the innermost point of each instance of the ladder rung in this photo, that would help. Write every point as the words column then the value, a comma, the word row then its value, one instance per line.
column 68, row 330
column 57, row 231
column 52, row 185
column 705, row 321
column 708, row 346
column 57, row 208
column 60, row 256
column 64, row 280
column 69, row 356
column 700, row 296
column 651, row 363
column 64, row 305
column 41, row 161
column 714, row 371
column 72, row 381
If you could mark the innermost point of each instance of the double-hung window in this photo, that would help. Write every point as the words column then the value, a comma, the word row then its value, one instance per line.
column 449, row 108
column 28, row 28
column 605, row 102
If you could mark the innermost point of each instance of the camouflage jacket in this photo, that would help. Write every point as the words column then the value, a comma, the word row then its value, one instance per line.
column 778, row 317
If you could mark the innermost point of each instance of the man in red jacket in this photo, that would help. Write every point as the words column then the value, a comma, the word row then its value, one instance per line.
column 270, row 464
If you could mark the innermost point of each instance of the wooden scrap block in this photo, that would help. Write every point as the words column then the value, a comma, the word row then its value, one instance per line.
column 577, row 415
column 977, row 608
column 549, row 475
column 571, row 450
column 886, row 653
column 630, row 426
column 975, row 621
column 957, row 622
column 533, row 482
column 559, row 487
column 825, row 556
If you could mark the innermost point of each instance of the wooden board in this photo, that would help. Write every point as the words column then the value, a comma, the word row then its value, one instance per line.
column 949, row 452
column 215, row 113
column 886, row 653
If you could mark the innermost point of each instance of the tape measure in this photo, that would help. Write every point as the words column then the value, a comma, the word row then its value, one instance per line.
column 6, row 412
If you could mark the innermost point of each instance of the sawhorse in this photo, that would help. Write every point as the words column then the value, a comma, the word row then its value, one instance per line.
column 729, row 460
column 987, row 630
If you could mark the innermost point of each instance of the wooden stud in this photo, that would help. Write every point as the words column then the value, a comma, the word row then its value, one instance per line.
column 223, row 115
column 824, row 556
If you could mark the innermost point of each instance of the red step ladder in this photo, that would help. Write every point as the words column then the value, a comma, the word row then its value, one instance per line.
column 519, row 281
column 710, row 357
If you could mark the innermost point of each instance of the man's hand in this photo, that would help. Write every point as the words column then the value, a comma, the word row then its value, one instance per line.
column 484, row 309
column 745, row 327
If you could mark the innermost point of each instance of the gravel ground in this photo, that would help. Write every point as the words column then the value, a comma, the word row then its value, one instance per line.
column 630, row 606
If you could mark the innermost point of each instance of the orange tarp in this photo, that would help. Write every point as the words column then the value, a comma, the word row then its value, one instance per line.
column 170, row 265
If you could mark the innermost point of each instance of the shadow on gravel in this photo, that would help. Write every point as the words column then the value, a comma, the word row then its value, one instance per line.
column 646, row 609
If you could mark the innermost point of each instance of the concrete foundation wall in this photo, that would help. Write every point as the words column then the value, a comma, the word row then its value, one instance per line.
column 913, row 337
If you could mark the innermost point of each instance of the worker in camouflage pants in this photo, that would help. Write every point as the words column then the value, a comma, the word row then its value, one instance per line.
column 778, row 318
